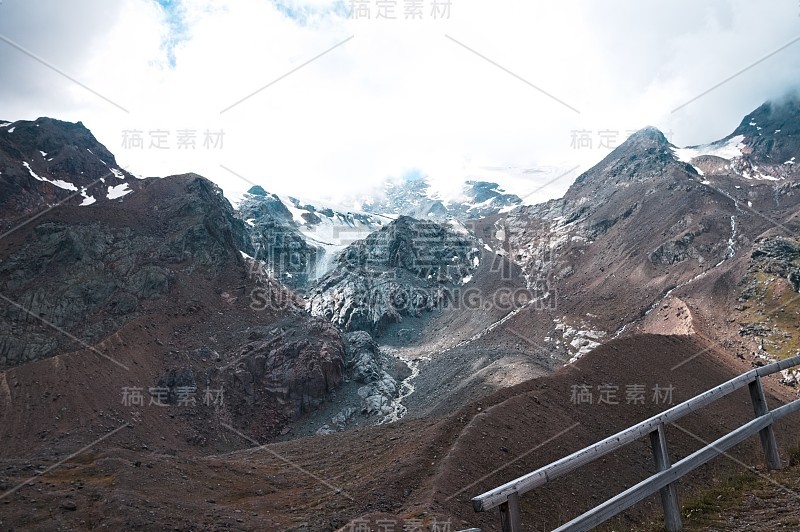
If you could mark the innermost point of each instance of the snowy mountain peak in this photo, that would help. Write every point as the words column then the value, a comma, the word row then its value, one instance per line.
column 52, row 161
column 765, row 146
column 646, row 155
column 418, row 199
column 298, row 241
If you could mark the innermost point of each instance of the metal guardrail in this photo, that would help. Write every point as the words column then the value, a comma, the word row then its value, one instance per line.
column 665, row 480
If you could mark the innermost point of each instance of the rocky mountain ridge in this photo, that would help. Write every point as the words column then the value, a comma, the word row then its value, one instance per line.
column 654, row 263
column 648, row 222
column 141, row 297
column 414, row 197
column 297, row 242
column 47, row 162
column 404, row 269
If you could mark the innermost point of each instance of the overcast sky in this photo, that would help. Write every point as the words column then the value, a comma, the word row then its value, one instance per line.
column 315, row 101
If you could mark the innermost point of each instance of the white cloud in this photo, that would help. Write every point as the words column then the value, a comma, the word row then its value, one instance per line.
column 399, row 95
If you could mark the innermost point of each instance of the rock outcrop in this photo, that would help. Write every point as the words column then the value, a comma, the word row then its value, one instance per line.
column 285, row 370
column 296, row 242
column 90, row 274
column 413, row 197
column 368, row 366
column 47, row 161
column 405, row 269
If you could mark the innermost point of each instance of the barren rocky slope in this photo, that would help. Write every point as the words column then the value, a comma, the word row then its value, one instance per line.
column 421, row 471
column 46, row 161
column 644, row 225
column 116, row 309
column 144, row 331
column 646, row 241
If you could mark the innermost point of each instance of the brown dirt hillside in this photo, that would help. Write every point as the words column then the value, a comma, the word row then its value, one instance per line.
column 415, row 471
column 188, row 322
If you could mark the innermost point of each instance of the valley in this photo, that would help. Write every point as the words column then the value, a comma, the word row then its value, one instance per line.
column 169, row 359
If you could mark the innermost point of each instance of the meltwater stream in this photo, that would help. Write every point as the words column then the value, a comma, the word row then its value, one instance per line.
column 406, row 388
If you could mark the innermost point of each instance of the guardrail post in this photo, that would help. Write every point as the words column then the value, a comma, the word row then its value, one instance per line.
column 771, row 455
column 669, row 494
column 509, row 514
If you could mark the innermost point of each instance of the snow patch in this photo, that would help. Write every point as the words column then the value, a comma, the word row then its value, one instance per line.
column 297, row 214
column 458, row 227
column 60, row 183
column 30, row 170
column 87, row 199
column 757, row 175
column 116, row 172
column 63, row 184
column 118, row 191
column 11, row 130
column 726, row 150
